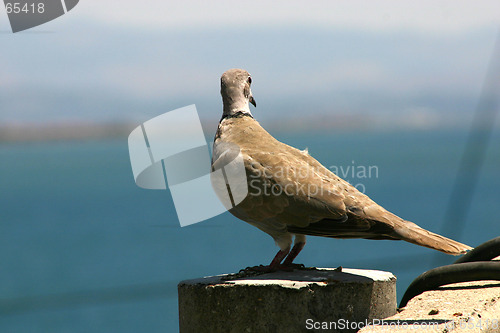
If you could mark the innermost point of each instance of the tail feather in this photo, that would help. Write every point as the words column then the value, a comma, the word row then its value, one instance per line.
column 414, row 234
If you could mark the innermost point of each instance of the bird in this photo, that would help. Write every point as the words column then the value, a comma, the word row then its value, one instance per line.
column 291, row 195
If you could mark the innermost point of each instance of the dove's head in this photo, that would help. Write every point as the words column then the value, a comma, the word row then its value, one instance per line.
column 235, row 90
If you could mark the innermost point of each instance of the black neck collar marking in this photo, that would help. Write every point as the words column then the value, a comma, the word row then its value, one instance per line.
column 237, row 114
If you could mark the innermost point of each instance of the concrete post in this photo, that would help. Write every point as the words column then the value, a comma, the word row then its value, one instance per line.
column 298, row 301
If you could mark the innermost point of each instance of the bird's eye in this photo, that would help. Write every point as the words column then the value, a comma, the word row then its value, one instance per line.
column 249, row 80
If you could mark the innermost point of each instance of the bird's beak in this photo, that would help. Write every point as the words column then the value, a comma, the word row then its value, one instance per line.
column 251, row 100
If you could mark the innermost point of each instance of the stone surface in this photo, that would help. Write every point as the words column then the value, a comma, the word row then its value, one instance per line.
column 460, row 307
column 285, row 301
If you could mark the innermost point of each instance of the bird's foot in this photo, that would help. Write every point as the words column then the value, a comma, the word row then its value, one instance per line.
column 249, row 272
column 287, row 267
column 286, row 256
column 261, row 269
column 270, row 268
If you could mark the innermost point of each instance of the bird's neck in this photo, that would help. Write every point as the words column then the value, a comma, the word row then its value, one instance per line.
column 235, row 107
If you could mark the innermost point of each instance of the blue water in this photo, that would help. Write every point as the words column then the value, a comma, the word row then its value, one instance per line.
column 83, row 249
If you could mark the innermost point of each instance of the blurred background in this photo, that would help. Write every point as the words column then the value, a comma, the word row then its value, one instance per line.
column 394, row 85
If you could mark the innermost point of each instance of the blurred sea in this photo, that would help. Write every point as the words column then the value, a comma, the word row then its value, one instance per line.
column 83, row 249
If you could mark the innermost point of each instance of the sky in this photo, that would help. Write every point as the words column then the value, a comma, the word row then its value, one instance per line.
column 390, row 63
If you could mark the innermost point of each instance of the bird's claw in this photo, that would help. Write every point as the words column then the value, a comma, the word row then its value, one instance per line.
column 261, row 269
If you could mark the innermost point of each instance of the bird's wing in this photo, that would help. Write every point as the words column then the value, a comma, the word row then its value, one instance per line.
column 284, row 186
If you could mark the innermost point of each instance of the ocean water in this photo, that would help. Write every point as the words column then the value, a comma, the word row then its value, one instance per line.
column 83, row 249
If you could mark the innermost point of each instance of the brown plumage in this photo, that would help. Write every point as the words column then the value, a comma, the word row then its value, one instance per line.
column 291, row 193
